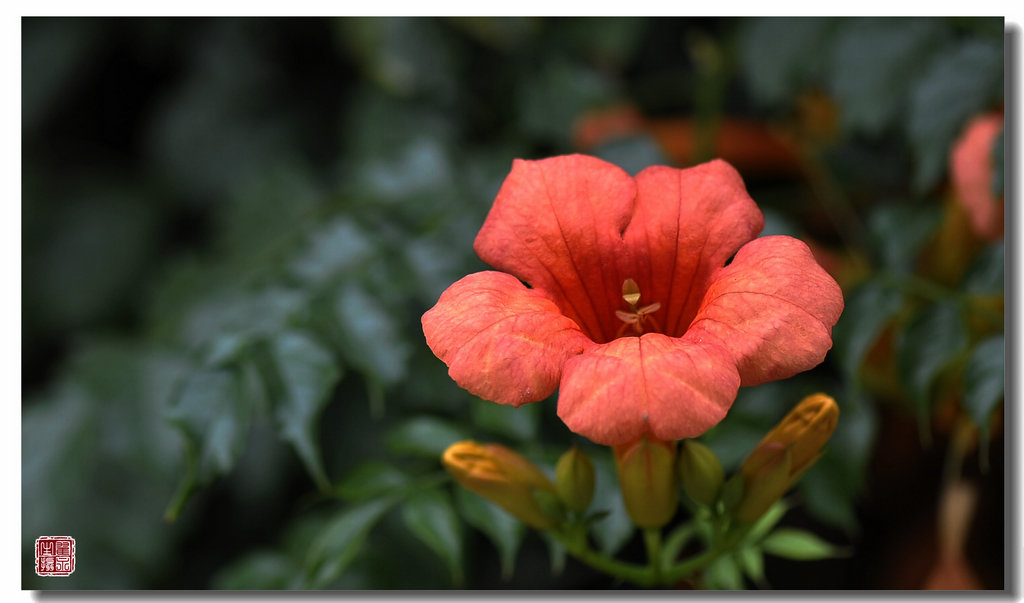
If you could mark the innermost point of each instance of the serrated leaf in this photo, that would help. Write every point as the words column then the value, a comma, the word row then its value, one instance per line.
column 308, row 374
column 800, row 545
column 503, row 530
column 371, row 479
column 424, row 436
column 516, row 423
column 932, row 340
column 340, row 542
column 984, row 381
column 370, row 338
column 430, row 516
column 868, row 310
column 224, row 324
column 214, row 418
column 965, row 80
column 871, row 61
column 724, row 574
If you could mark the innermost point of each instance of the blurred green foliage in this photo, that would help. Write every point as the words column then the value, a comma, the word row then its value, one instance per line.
column 232, row 226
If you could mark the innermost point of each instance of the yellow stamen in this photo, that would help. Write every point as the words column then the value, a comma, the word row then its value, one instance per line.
column 630, row 292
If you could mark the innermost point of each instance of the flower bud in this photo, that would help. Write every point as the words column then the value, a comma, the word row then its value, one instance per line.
column 764, row 481
column 574, row 479
column 785, row 453
column 806, row 429
column 701, row 472
column 501, row 476
column 647, row 478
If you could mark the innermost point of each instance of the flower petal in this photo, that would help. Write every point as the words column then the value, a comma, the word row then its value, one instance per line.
column 972, row 169
column 501, row 341
column 557, row 224
column 687, row 223
column 576, row 227
column 664, row 387
column 773, row 307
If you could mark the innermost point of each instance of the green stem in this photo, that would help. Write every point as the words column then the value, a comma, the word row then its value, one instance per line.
column 677, row 540
column 697, row 562
column 576, row 544
column 652, row 540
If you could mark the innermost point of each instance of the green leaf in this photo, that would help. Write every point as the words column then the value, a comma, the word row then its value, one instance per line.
column 226, row 324
column 869, row 308
column 828, row 489
column 792, row 543
column 964, row 80
column 677, row 539
column 984, row 381
column 724, row 574
column 370, row 338
column 557, row 552
column 778, row 56
column 333, row 249
column 308, row 374
column 615, row 529
column 424, row 436
column 769, row 520
column 559, row 93
column 932, row 340
column 340, row 542
column 429, row 515
column 214, row 417
column 503, row 530
column 899, row 230
column 872, row 60
column 371, row 479
column 261, row 570
column 987, row 274
column 752, row 562
column 516, row 423
column 403, row 56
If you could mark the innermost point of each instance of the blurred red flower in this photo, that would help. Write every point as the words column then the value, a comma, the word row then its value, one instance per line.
column 972, row 169
column 629, row 307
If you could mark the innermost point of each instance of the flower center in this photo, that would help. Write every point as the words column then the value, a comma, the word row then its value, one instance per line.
column 637, row 320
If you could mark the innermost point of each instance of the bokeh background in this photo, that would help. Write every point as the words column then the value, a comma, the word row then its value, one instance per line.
column 230, row 228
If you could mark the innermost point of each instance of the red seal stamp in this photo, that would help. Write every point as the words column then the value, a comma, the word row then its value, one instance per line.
column 55, row 555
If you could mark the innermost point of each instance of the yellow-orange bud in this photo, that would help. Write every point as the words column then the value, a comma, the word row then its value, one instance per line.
column 574, row 478
column 785, row 453
column 647, row 478
column 701, row 472
column 502, row 476
column 805, row 430
column 764, row 482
